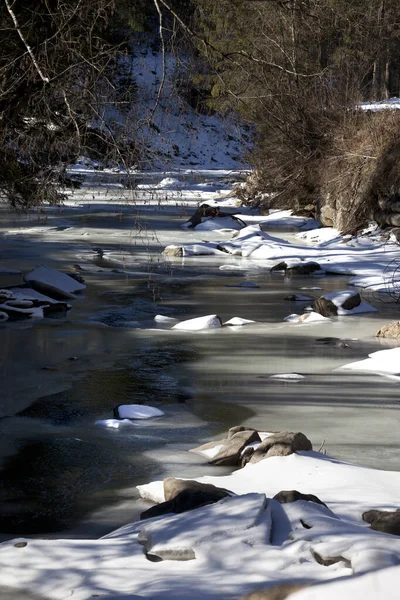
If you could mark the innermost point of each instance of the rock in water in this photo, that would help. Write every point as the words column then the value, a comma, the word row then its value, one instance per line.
column 325, row 307
column 52, row 282
column 173, row 251
column 390, row 330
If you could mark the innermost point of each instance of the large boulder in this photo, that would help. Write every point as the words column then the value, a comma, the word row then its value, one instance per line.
column 352, row 301
column 390, row 330
column 173, row 487
column 288, row 443
column 187, row 499
column 385, row 521
column 229, row 454
column 278, row 591
column 54, row 283
column 237, row 428
column 172, row 250
column 325, row 307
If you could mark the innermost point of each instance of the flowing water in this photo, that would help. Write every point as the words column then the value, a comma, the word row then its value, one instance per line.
column 62, row 475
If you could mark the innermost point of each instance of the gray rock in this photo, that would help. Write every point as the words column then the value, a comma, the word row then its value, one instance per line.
column 229, row 455
column 332, row 341
column 185, row 500
column 302, row 268
column 210, row 211
column 288, row 496
column 207, row 446
column 173, row 487
column 306, row 268
column 294, row 441
column 246, row 455
column 390, row 330
column 279, row 450
column 282, row 266
column 276, row 592
column 325, row 307
column 352, row 301
column 173, row 251
column 385, row 521
column 238, row 428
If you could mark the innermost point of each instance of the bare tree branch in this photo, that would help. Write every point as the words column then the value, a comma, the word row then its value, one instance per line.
column 27, row 46
column 164, row 66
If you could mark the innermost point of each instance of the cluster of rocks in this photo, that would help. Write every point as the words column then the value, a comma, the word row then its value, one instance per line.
column 245, row 445
column 210, row 212
column 301, row 268
column 41, row 293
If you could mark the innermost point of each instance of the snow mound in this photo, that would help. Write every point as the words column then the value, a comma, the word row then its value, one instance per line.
column 53, row 282
column 199, row 323
column 238, row 321
column 138, row 411
column 382, row 362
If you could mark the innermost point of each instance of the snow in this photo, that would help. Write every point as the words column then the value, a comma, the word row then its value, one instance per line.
column 240, row 544
column 391, row 104
column 380, row 584
column 29, row 293
column 311, row 317
column 288, row 377
column 366, row 257
column 113, row 423
column 45, row 279
column 219, row 223
column 199, row 323
column 339, row 297
column 164, row 319
column 238, row 321
column 382, row 362
column 178, row 135
column 138, row 411
column 178, row 537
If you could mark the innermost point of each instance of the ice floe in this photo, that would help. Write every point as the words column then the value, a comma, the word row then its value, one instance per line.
column 53, row 282
column 382, row 362
column 199, row 323
column 138, row 411
column 238, row 321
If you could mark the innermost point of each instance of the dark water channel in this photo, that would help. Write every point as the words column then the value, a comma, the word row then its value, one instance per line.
column 62, row 475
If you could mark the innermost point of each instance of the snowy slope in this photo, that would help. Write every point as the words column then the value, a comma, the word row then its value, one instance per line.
column 175, row 135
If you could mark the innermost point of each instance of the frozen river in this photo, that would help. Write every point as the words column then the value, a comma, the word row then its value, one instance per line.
column 60, row 473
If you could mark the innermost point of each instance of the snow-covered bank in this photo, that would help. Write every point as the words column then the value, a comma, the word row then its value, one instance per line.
column 235, row 546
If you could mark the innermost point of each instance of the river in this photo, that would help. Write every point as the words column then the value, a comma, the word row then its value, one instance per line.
column 63, row 476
